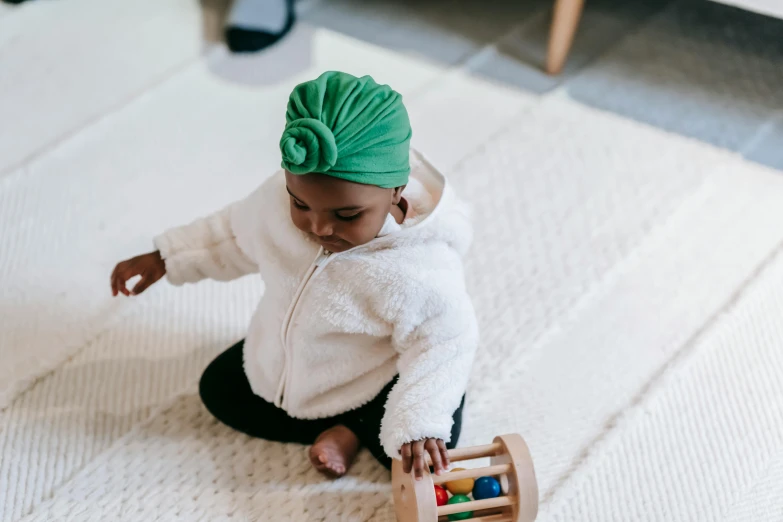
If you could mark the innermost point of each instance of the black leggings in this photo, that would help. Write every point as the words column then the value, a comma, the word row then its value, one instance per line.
column 226, row 393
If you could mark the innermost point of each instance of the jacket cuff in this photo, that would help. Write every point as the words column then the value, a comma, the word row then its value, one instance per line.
column 397, row 430
column 179, row 265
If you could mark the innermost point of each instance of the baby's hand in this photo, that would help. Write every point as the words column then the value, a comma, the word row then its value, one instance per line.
column 150, row 267
column 413, row 456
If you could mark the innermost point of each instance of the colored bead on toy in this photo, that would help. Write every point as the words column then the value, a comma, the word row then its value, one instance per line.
column 459, row 499
column 441, row 497
column 460, row 487
column 485, row 487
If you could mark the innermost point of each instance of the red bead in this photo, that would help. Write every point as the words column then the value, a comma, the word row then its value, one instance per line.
column 441, row 496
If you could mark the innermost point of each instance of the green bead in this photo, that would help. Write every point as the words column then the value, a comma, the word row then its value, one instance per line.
column 459, row 499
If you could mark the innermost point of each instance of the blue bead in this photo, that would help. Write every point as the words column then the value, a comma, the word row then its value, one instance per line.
column 485, row 487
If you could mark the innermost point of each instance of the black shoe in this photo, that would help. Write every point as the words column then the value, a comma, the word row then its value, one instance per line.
column 242, row 40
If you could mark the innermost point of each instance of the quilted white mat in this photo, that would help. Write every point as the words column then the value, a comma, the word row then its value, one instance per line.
column 627, row 282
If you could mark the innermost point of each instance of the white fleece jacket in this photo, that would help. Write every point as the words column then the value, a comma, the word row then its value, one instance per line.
column 333, row 329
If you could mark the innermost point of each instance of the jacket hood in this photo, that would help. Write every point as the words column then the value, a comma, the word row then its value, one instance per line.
column 435, row 213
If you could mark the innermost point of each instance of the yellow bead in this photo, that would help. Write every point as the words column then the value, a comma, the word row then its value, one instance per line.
column 460, row 487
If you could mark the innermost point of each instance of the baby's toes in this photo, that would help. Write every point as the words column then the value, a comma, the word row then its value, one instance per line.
column 333, row 466
column 336, row 467
column 319, row 460
column 324, row 462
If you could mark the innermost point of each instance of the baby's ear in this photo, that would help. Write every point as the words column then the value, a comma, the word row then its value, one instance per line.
column 397, row 194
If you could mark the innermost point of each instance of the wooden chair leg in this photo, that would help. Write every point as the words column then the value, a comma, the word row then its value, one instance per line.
column 561, row 35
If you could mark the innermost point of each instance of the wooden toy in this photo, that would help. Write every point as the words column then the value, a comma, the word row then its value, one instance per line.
column 486, row 487
column 510, row 464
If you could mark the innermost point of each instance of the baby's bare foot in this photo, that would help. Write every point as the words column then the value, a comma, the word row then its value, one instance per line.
column 334, row 451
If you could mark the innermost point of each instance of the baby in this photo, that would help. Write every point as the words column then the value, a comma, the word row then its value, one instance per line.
column 365, row 334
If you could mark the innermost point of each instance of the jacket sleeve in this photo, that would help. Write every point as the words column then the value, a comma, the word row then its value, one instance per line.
column 205, row 249
column 436, row 338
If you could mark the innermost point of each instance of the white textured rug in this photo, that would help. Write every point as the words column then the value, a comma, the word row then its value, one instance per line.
column 627, row 282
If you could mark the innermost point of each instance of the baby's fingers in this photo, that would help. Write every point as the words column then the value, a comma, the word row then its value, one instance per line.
column 143, row 284
column 113, row 281
column 444, row 453
column 418, row 459
column 122, row 288
column 122, row 280
column 118, row 280
column 407, row 458
column 432, row 448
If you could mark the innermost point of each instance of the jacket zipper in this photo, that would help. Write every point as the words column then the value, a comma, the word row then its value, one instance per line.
column 315, row 268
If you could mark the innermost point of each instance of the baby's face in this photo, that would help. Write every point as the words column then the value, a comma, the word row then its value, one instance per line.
column 338, row 214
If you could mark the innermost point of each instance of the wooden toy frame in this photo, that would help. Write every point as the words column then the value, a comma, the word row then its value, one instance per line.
column 510, row 462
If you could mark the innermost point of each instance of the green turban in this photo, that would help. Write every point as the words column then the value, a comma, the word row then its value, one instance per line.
column 349, row 128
